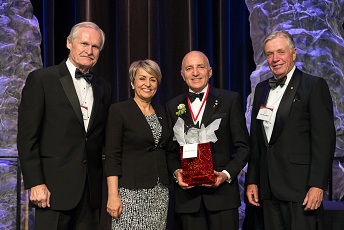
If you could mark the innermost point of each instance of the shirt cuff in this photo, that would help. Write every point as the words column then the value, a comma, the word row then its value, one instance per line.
column 175, row 178
column 229, row 180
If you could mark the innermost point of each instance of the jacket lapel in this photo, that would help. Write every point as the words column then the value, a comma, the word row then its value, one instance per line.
column 97, row 96
column 68, row 86
column 212, row 104
column 143, row 121
column 263, row 95
column 160, row 112
column 187, row 117
column 285, row 105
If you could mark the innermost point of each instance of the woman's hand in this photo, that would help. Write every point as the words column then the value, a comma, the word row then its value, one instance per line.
column 114, row 206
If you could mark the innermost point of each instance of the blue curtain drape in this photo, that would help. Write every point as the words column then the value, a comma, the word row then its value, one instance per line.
column 160, row 30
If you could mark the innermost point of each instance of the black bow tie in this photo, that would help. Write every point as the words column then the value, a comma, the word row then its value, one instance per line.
column 273, row 82
column 87, row 76
column 193, row 96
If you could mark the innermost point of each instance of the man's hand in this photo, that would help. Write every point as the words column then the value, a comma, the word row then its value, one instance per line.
column 220, row 177
column 313, row 198
column 252, row 194
column 178, row 173
column 40, row 196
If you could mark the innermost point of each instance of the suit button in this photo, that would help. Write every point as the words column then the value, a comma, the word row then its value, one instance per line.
column 86, row 139
column 269, row 146
column 84, row 161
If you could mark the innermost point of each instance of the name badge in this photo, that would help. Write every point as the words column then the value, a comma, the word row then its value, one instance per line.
column 190, row 150
column 264, row 113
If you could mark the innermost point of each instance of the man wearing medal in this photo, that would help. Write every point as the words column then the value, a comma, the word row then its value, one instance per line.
column 293, row 141
column 215, row 205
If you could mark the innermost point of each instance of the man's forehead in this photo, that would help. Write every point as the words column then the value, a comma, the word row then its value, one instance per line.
column 275, row 45
column 194, row 61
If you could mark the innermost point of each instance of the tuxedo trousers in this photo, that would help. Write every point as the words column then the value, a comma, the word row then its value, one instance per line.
column 210, row 220
column 286, row 215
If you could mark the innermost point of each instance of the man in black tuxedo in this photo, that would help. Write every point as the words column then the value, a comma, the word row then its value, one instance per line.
column 293, row 141
column 61, row 123
column 210, row 206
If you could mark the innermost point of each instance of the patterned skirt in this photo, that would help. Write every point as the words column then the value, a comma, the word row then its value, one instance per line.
column 144, row 209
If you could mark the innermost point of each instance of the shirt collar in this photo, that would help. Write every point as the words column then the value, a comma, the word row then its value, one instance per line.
column 204, row 90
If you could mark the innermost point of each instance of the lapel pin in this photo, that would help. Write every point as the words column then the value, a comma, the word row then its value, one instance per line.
column 292, row 87
column 216, row 102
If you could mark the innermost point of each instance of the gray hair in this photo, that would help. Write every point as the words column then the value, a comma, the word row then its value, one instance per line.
column 75, row 29
column 280, row 33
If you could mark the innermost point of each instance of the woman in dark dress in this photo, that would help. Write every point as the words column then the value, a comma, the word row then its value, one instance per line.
column 135, row 165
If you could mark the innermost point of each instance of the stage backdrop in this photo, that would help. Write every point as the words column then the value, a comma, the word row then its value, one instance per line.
column 135, row 29
column 160, row 30
column 163, row 31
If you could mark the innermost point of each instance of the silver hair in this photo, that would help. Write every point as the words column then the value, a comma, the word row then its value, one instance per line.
column 75, row 29
column 280, row 33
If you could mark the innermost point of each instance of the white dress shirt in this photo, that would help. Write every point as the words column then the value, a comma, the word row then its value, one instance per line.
column 274, row 99
column 84, row 92
column 196, row 106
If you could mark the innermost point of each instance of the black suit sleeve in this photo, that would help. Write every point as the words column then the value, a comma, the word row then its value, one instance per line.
column 113, row 143
column 252, row 176
column 30, row 119
column 323, row 137
column 240, row 138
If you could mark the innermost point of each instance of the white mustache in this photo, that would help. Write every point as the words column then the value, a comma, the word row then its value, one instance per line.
column 86, row 55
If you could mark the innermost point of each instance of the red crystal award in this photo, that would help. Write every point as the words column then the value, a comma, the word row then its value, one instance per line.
column 198, row 170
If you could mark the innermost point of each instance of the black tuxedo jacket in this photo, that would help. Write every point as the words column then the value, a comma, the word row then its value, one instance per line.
column 130, row 151
column 53, row 146
column 302, row 143
column 230, row 152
